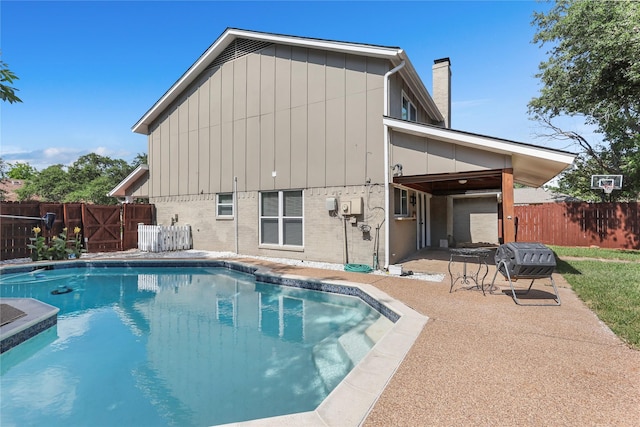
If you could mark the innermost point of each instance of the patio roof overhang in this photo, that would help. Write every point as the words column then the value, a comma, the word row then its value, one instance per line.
column 120, row 190
column 532, row 165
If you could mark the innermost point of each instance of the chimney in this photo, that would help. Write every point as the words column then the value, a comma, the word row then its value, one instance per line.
column 442, row 88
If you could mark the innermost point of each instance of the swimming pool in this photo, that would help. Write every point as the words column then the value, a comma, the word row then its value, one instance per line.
column 136, row 347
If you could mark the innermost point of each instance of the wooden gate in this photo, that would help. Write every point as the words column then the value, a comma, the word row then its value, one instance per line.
column 132, row 215
column 102, row 228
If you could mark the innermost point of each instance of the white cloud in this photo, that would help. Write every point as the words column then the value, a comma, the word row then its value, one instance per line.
column 470, row 103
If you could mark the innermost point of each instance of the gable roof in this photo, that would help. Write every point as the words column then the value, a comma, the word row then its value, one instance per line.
column 394, row 54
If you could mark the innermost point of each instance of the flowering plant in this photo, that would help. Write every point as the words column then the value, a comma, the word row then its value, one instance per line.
column 60, row 247
column 38, row 246
column 76, row 244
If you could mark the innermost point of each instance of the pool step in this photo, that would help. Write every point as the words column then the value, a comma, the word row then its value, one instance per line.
column 334, row 359
column 355, row 343
column 331, row 361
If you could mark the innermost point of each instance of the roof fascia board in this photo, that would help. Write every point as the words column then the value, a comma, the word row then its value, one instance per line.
column 479, row 141
column 230, row 34
column 336, row 46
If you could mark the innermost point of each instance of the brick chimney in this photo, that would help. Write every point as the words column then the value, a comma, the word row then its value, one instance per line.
column 442, row 88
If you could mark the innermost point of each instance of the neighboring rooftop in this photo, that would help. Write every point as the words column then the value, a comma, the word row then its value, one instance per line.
column 536, row 196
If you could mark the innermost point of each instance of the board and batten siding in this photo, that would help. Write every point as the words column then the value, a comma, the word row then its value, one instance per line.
column 311, row 117
column 419, row 155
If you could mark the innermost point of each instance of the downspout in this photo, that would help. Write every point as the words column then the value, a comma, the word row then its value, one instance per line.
column 386, row 162
column 235, row 209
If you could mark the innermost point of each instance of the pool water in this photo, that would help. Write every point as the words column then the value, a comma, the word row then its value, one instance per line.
column 176, row 347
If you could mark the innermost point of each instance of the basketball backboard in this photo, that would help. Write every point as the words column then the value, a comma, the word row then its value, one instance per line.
column 606, row 182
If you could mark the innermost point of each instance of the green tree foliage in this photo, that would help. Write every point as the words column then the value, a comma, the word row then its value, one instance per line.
column 7, row 93
column 51, row 185
column 3, row 173
column 593, row 71
column 140, row 159
column 88, row 180
column 21, row 170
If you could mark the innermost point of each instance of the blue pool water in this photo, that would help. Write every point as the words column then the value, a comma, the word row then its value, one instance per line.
column 176, row 347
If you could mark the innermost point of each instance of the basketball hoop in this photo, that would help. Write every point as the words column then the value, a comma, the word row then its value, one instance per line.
column 606, row 183
column 608, row 188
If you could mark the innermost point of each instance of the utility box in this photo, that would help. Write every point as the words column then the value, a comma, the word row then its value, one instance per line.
column 356, row 206
column 331, row 204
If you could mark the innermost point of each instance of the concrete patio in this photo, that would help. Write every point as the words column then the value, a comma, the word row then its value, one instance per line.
column 483, row 360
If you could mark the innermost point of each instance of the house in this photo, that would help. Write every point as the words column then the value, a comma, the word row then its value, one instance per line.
column 536, row 196
column 293, row 147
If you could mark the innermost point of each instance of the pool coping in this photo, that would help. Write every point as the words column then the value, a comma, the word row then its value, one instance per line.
column 39, row 317
column 352, row 400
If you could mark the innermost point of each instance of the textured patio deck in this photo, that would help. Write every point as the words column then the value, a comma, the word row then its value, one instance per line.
column 483, row 360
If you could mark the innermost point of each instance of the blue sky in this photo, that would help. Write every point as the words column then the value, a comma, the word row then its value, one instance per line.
column 88, row 70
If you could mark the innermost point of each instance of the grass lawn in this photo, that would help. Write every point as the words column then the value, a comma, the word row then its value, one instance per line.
column 608, row 281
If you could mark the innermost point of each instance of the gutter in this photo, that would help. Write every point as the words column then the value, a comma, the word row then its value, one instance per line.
column 386, row 161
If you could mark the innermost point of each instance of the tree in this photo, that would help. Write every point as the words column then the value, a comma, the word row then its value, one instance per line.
column 88, row 180
column 21, row 170
column 52, row 184
column 3, row 173
column 593, row 71
column 140, row 159
column 7, row 93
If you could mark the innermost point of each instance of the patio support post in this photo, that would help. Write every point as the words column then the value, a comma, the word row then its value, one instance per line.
column 508, row 212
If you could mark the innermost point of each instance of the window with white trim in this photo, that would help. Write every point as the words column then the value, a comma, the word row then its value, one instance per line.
column 281, row 218
column 409, row 111
column 224, row 205
column 400, row 202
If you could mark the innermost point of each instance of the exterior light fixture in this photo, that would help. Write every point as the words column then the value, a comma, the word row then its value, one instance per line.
column 462, row 181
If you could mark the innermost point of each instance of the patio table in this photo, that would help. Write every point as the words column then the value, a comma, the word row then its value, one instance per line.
column 470, row 274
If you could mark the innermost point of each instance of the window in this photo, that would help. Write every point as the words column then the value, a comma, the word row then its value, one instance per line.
column 400, row 202
column 224, row 205
column 281, row 219
column 409, row 111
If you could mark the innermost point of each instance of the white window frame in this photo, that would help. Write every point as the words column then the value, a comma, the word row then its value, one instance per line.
column 403, row 204
column 411, row 108
column 226, row 204
column 281, row 220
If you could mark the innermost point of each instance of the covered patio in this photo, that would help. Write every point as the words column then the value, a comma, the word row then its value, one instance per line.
column 440, row 166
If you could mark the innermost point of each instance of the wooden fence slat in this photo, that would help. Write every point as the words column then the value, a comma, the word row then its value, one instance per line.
column 607, row 225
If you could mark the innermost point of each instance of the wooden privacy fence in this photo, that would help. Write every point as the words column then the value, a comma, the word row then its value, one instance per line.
column 607, row 225
column 161, row 238
column 104, row 228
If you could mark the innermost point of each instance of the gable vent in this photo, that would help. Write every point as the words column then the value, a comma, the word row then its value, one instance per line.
column 237, row 49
